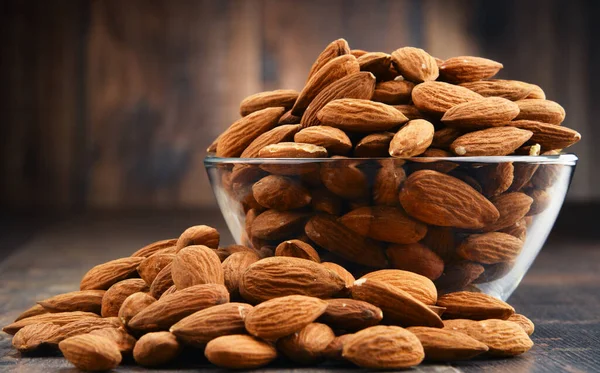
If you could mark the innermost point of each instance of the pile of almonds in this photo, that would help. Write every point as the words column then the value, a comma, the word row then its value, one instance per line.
column 395, row 191
column 244, row 309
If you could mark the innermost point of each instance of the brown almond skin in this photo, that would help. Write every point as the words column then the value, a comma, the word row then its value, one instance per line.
column 523, row 322
column 412, row 139
column 378, row 63
column 134, row 304
column 307, row 345
column 154, row 247
column 239, row 352
column 33, row 336
column 203, row 326
column 103, row 276
column 85, row 300
column 58, row 318
column 345, row 179
column 490, row 248
column 398, row 306
column 245, row 130
column 383, row 347
column 332, row 71
column 32, row 311
column 168, row 310
column 281, row 133
column 196, row 265
column 116, row 295
column 418, row 286
column 384, row 223
column 495, row 141
column 474, row 306
column 155, row 349
column 360, row 115
column 415, row 64
column 545, row 111
column 283, row 316
column 84, row 326
column 439, row 199
column 278, row 98
column 277, row 225
column 512, row 208
column 495, row 179
column 152, row 265
column 503, row 338
column 333, row 139
column 91, row 352
column 443, row 137
column 480, row 114
column 468, row 69
column 233, row 268
column 280, row 276
column 513, row 90
column 350, row 314
column 162, row 282
column 281, row 193
column 549, row 136
column 374, row 145
column 333, row 236
column 435, row 98
column 447, row 345
column 199, row 235
column 409, row 111
column 458, row 275
column 387, row 182
column 343, row 273
column 334, row 350
column 297, row 249
column 393, row 92
column 334, row 49
column 416, row 258
column 124, row 341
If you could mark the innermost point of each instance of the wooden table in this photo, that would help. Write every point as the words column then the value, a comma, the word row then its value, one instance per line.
column 561, row 292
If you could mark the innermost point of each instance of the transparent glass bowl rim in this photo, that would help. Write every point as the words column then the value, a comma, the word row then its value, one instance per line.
column 561, row 159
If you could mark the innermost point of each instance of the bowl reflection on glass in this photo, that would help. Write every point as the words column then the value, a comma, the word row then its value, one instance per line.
column 467, row 223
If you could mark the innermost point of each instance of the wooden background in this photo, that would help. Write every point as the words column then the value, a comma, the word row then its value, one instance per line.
column 111, row 104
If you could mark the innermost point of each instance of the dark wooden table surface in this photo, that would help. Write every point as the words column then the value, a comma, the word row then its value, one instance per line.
column 561, row 292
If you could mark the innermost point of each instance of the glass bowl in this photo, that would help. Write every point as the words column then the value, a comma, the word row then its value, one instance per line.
column 467, row 223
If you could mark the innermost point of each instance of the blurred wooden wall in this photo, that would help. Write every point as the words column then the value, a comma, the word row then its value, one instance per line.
column 111, row 103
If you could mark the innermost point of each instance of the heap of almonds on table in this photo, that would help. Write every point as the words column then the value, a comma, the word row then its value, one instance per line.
column 371, row 265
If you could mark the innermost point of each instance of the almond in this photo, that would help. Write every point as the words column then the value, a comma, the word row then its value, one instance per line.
column 288, row 118
column 334, row 140
column 388, row 179
column 490, row 248
column 297, row 249
column 522, row 174
column 512, row 208
column 474, row 306
column 280, row 276
column 427, row 161
column 495, row 179
column 84, row 300
column 503, row 338
column 103, row 276
column 536, row 93
column 233, row 268
column 549, row 136
column 196, row 265
column 409, row 111
column 328, row 233
column 334, row 350
column 281, row 193
column 435, row 98
column 33, row 336
column 278, row 134
column 152, row 248
column 360, row 115
column 342, row 272
column 384, row 223
column 168, row 310
column 172, row 289
column 162, row 282
column 325, row 201
column 119, row 336
column 490, row 142
column 350, row 314
column 152, row 265
column 154, row 349
column 335, row 49
column 541, row 201
column 279, row 98
column 468, row 68
column 383, row 347
column 374, row 145
column 332, row 71
column 83, row 326
column 458, row 275
column 412, row 139
column 523, row 322
column 360, row 86
column 393, row 92
column 239, row 352
column 518, row 229
column 278, row 225
column 199, row 235
column 416, row 258
column 479, row 114
column 358, row 52
column 32, row 311
column 513, row 90
column 545, row 111
column 442, row 241
column 345, row 178
column 443, row 200
column 58, row 318
column 442, row 138
column 134, row 304
column 283, row 316
column 398, row 306
column 91, row 352
column 292, row 150
column 116, row 295
column 245, row 130
column 447, row 345
column 418, row 286
column 415, row 64
column 378, row 63
column 307, row 345
column 203, row 326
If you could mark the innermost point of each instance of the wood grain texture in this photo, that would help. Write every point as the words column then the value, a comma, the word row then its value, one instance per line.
column 559, row 293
